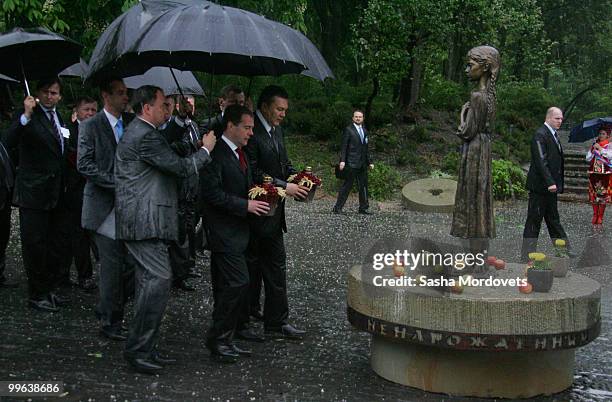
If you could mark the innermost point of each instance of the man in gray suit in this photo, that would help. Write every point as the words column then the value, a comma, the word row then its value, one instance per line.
column 147, row 172
column 98, row 138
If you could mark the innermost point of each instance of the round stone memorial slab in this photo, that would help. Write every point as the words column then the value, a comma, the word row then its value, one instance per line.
column 488, row 341
column 571, row 307
column 430, row 195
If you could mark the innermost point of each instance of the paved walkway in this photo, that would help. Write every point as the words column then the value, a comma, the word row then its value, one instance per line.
column 330, row 364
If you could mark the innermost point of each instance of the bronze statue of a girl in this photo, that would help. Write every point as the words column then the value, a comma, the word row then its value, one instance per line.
column 473, row 216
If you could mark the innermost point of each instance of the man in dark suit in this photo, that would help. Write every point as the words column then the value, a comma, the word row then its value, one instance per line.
column 38, row 132
column 230, row 95
column 146, row 177
column 80, row 247
column 225, row 185
column 266, row 255
column 7, row 181
column 544, row 182
column 182, row 134
column 97, row 144
column 355, row 159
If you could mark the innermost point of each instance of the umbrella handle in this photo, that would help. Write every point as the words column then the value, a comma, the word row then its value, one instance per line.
column 177, row 83
column 25, row 80
column 179, row 87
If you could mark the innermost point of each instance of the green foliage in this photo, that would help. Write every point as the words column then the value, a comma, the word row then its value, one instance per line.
column 450, row 162
column 508, row 180
column 383, row 181
column 441, row 94
column 419, row 134
column 522, row 104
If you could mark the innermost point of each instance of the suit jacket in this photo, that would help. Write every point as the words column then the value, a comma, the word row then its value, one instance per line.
column 40, row 176
column 546, row 166
column 353, row 152
column 7, row 177
column 214, row 124
column 184, row 141
column 146, row 172
column 268, row 156
column 96, row 149
column 224, row 193
column 75, row 182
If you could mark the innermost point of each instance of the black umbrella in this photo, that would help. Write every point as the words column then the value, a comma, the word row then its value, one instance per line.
column 78, row 70
column 34, row 53
column 199, row 35
column 162, row 77
column 6, row 79
column 589, row 129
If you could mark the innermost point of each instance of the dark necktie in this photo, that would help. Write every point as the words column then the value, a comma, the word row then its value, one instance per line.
column 56, row 130
column 557, row 140
column 273, row 137
column 242, row 160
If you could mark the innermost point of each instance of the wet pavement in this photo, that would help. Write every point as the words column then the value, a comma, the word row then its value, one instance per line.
column 331, row 363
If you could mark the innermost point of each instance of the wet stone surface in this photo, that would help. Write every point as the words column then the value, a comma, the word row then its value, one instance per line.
column 331, row 363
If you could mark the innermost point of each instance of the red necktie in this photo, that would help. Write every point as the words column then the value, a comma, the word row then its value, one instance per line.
column 242, row 160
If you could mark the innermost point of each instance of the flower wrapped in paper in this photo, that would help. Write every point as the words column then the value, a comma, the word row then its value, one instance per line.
column 307, row 179
column 269, row 193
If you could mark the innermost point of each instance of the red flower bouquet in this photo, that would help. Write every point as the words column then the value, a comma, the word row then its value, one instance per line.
column 307, row 179
column 269, row 193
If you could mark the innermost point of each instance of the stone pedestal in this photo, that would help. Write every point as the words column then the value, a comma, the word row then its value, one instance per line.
column 479, row 374
column 489, row 341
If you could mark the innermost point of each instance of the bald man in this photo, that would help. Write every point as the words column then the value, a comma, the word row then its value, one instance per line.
column 544, row 182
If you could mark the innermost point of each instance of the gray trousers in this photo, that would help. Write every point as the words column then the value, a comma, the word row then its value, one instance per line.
column 116, row 279
column 153, row 282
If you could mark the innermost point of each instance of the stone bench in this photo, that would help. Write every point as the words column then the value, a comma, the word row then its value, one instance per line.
column 485, row 342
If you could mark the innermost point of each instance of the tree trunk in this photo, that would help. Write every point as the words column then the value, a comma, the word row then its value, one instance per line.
column 410, row 86
column 368, row 108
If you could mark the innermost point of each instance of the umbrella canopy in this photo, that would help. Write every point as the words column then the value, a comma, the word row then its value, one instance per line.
column 36, row 53
column 162, row 77
column 199, row 35
column 589, row 129
column 79, row 70
column 4, row 78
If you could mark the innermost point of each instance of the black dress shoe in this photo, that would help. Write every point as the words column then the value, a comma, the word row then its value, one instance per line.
column 240, row 351
column 257, row 314
column 222, row 352
column 59, row 300
column 43, row 305
column 338, row 211
column 286, row 331
column 8, row 284
column 88, row 284
column 161, row 359
column 144, row 366
column 113, row 333
column 249, row 335
column 365, row 212
column 182, row 285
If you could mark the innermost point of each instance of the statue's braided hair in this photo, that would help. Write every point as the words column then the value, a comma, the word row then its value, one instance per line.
column 488, row 55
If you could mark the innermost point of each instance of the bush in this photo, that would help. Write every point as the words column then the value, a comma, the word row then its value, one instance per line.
column 419, row 135
column 383, row 181
column 450, row 163
column 441, row 94
column 508, row 180
column 522, row 104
